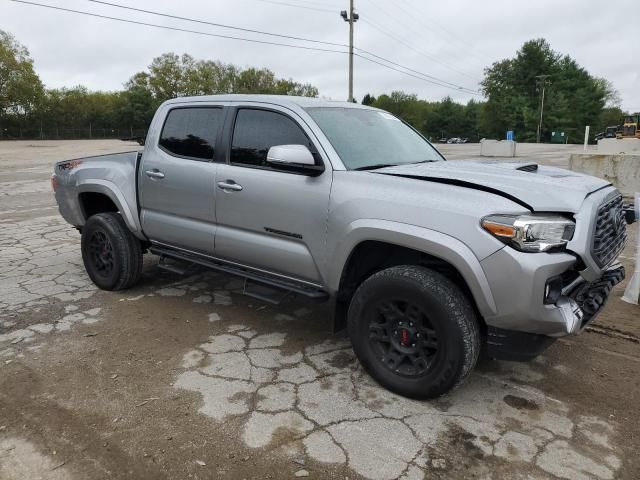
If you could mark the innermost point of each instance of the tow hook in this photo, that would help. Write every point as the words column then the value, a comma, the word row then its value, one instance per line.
column 571, row 313
column 629, row 213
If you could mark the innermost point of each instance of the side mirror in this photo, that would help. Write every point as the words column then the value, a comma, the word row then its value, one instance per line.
column 295, row 158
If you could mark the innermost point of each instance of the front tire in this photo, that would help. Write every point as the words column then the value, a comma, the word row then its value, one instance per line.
column 112, row 255
column 414, row 331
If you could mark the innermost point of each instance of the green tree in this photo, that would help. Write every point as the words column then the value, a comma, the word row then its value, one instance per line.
column 404, row 105
column 171, row 76
column 573, row 98
column 135, row 107
column 368, row 100
column 445, row 118
column 28, row 110
column 20, row 86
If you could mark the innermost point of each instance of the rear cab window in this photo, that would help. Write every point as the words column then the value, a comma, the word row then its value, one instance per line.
column 191, row 132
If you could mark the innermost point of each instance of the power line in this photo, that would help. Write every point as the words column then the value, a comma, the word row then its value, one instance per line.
column 317, row 9
column 390, row 15
column 419, row 31
column 318, row 4
column 213, row 24
column 459, row 87
column 177, row 29
column 409, row 46
column 291, row 37
column 422, row 76
column 418, row 77
column 446, row 30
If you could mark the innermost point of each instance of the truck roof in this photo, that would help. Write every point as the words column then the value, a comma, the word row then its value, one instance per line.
column 284, row 100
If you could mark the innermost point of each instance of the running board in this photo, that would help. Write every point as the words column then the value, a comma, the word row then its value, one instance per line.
column 266, row 293
column 162, row 263
column 246, row 273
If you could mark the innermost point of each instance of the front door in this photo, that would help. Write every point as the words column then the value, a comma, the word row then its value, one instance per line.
column 268, row 218
column 177, row 179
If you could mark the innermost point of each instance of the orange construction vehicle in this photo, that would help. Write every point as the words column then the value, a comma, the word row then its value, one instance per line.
column 629, row 127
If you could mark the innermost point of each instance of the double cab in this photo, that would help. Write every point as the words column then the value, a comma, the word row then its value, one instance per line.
column 425, row 261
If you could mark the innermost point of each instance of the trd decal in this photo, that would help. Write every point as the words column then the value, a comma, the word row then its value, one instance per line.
column 282, row 232
column 70, row 165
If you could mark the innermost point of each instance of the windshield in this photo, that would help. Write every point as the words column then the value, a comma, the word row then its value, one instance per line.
column 368, row 138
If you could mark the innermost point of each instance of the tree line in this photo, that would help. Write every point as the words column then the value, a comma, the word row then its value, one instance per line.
column 511, row 87
column 29, row 110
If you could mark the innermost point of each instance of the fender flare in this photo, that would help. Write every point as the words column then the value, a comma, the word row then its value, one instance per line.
column 112, row 191
column 421, row 239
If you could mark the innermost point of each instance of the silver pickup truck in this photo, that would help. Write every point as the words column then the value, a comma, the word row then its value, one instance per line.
column 425, row 261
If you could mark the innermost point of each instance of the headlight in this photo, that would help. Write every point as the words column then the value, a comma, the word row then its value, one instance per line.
column 531, row 233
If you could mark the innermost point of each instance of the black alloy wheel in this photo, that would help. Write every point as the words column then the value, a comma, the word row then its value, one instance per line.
column 101, row 253
column 404, row 338
column 414, row 331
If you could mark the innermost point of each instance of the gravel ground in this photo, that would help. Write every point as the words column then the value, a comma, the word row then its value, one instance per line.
column 184, row 377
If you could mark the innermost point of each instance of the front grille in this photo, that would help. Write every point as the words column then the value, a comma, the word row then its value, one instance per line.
column 610, row 232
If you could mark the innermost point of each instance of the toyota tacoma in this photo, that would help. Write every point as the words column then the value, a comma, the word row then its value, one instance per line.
column 426, row 262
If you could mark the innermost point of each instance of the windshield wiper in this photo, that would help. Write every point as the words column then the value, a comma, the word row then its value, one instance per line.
column 376, row 166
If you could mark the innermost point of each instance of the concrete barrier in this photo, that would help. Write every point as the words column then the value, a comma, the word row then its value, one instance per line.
column 615, row 146
column 495, row 148
column 632, row 292
column 623, row 171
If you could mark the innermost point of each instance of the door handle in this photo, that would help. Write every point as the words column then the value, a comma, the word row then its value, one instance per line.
column 230, row 185
column 155, row 173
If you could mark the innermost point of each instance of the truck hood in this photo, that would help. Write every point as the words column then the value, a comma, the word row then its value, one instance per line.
column 537, row 187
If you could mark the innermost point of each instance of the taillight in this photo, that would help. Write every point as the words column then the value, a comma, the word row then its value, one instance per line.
column 54, row 182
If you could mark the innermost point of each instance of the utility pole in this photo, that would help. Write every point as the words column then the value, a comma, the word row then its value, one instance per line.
column 541, row 80
column 351, row 17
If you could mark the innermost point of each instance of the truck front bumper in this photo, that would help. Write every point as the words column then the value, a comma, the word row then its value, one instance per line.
column 578, row 308
column 544, row 294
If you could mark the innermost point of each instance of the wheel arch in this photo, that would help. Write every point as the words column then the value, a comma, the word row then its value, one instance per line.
column 373, row 246
column 104, row 196
column 95, row 202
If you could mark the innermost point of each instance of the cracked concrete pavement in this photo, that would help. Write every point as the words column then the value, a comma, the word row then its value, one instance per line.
column 321, row 397
column 183, row 377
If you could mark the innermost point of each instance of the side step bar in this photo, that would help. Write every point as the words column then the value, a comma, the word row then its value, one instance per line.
column 247, row 273
column 263, row 292
column 162, row 263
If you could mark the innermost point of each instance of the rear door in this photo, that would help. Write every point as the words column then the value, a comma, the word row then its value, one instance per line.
column 177, row 178
column 272, row 219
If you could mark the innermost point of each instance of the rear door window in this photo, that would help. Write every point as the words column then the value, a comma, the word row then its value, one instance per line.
column 191, row 132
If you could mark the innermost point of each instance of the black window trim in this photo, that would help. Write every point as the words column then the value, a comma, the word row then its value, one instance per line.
column 218, row 139
column 236, row 109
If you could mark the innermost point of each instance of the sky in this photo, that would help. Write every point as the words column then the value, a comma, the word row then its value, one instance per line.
column 450, row 41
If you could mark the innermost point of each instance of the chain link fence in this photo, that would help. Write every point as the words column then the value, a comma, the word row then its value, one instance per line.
column 70, row 133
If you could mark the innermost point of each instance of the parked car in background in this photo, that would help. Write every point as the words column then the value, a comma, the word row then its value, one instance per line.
column 457, row 140
column 610, row 132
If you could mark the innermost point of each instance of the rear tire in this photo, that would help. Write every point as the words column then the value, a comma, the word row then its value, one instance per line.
column 414, row 331
column 112, row 255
